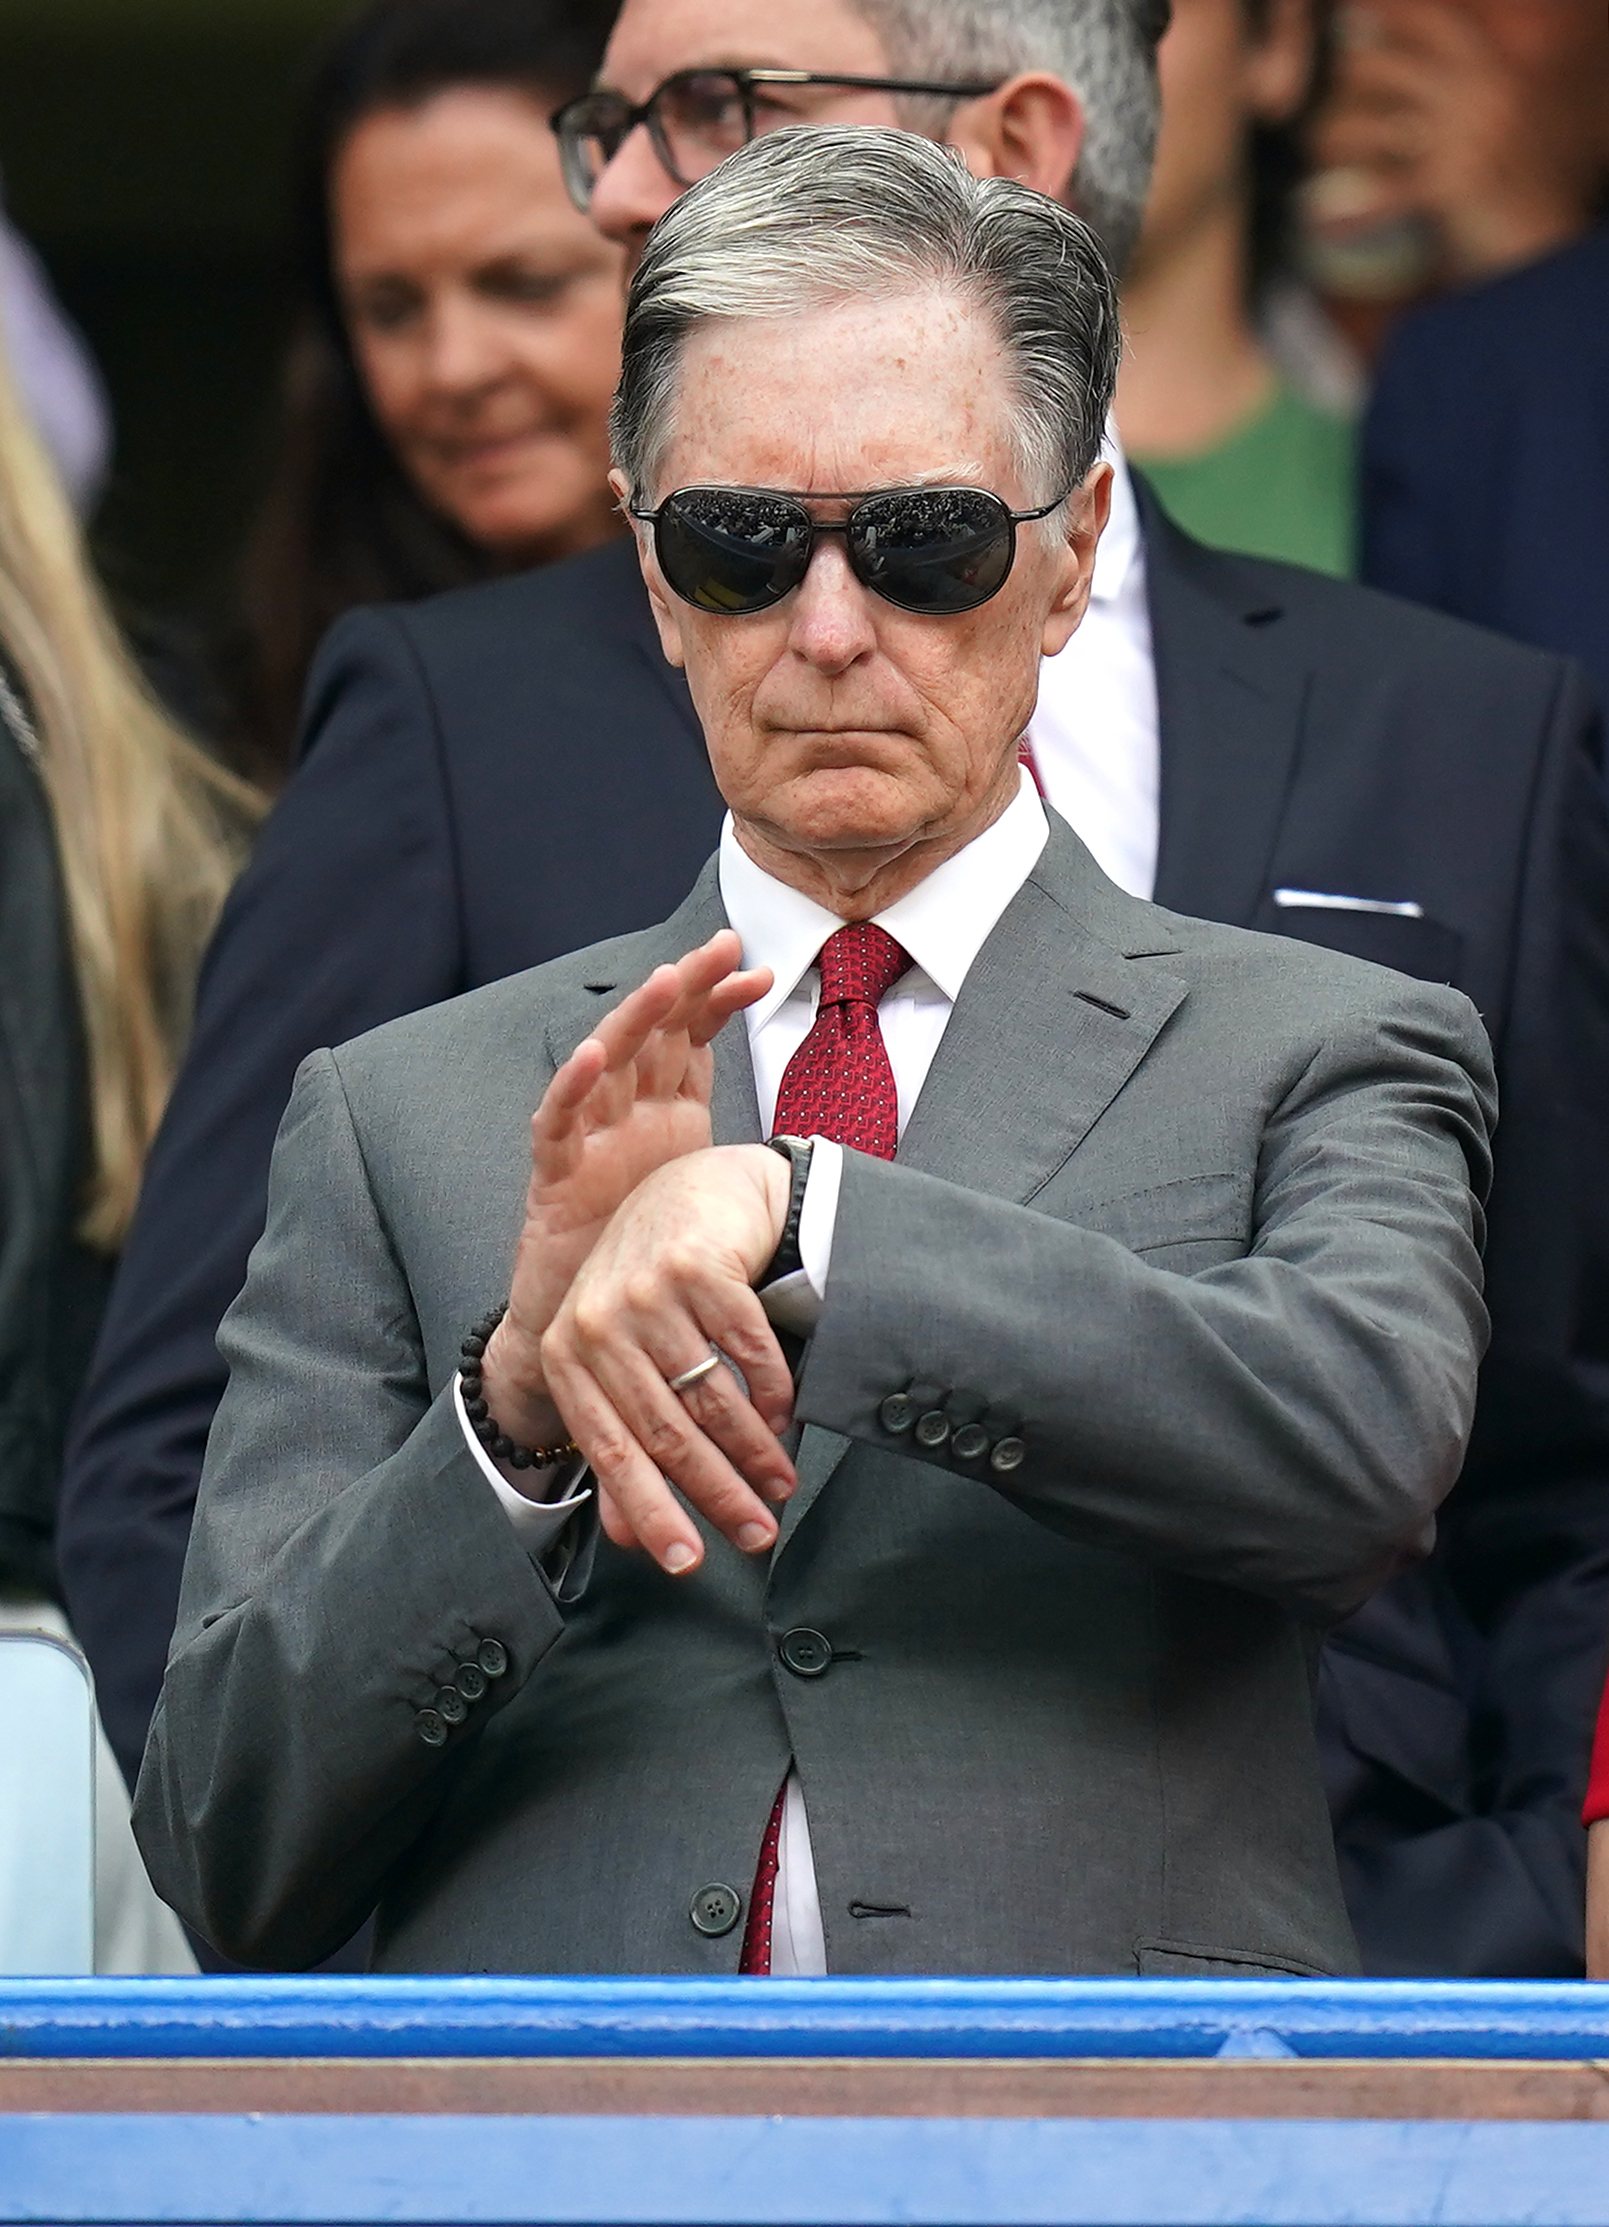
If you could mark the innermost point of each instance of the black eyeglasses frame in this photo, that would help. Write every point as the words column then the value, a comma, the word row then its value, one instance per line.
column 629, row 115
column 797, row 501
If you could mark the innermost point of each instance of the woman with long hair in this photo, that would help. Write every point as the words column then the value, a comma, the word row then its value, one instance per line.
column 457, row 339
column 119, row 838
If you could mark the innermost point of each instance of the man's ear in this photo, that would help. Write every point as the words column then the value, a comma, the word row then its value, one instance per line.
column 660, row 600
column 1031, row 129
column 1087, row 514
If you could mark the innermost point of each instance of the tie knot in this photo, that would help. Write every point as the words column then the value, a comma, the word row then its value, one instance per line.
column 860, row 964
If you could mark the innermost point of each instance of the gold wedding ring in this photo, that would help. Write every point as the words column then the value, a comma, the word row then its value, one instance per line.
column 697, row 1373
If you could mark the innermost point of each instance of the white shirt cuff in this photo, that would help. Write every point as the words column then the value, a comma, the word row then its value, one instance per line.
column 537, row 1523
column 795, row 1302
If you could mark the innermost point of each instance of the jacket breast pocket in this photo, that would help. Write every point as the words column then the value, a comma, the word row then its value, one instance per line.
column 1427, row 949
column 1185, row 1223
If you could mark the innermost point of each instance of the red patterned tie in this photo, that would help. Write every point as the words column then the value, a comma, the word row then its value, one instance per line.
column 838, row 1084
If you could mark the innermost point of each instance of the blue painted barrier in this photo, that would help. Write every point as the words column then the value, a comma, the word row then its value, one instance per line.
column 800, row 2018
column 572, row 2172
column 180, row 2167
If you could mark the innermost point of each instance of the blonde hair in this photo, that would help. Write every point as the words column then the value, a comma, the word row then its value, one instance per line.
column 149, row 831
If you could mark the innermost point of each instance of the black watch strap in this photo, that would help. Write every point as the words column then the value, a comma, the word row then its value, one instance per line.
column 787, row 1260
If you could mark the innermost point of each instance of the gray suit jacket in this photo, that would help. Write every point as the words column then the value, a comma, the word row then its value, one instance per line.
column 1187, row 1221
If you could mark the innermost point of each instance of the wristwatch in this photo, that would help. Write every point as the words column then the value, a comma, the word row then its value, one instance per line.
column 787, row 1260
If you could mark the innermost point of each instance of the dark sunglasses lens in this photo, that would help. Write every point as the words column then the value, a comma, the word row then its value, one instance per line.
column 723, row 549
column 938, row 550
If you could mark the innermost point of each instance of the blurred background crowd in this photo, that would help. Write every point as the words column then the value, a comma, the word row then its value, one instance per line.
column 191, row 193
column 297, row 315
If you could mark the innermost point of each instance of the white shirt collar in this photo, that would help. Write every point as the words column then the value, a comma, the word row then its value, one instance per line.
column 943, row 922
column 1119, row 548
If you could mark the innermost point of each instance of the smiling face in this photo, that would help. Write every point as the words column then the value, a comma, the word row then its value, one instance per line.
column 484, row 317
column 845, row 733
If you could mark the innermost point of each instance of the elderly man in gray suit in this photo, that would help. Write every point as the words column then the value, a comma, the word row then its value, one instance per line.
column 1128, row 1266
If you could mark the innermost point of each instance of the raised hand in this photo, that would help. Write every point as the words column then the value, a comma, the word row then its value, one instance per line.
column 671, row 1276
column 630, row 1098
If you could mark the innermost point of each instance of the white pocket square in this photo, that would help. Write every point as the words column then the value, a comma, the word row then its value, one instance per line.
column 1321, row 900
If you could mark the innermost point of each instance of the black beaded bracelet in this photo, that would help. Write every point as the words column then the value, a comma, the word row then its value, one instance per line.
column 472, row 1354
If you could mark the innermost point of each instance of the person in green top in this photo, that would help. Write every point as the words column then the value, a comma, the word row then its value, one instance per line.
column 1239, row 453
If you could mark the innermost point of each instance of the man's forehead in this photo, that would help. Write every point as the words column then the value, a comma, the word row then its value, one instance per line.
column 653, row 37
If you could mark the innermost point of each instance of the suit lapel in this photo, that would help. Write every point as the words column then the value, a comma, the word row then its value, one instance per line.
column 1231, row 699
column 612, row 969
column 1053, row 1018
column 1061, row 1005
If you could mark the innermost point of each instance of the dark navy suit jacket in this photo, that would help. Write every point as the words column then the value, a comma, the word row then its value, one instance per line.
column 1486, row 457
column 507, row 773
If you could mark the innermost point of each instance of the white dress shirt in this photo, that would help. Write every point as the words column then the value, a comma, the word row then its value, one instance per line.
column 1094, row 734
column 1094, row 731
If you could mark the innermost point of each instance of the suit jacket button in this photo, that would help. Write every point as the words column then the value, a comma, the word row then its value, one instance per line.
column 897, row 1413
column 431, row 1727
column 492, row 1656
column 470, row 1681
column 806, row 1653
column 933, row 1428
column 1009, row 1454
column 451, row 1704
column 970, row 1441
column 715, row 1910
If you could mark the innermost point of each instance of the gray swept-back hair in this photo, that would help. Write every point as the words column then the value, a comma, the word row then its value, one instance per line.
column 806, row 219
column 1104, row 49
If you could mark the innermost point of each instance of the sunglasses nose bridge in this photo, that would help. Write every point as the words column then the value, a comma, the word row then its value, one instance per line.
column 832, row 614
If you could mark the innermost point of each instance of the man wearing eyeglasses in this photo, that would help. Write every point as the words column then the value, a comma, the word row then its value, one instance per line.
column 1235, row 739
column 1153, row 1351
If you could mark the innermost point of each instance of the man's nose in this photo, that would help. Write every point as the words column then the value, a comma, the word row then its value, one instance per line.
column 633, row 191
column 832, row 622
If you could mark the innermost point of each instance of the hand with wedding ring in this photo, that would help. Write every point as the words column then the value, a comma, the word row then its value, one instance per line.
column 632, row 1096
column 636, row 1355
column 698, row 1372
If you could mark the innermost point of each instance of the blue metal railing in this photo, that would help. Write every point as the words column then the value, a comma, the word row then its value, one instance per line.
column 804, row 2018
column 183, row 2168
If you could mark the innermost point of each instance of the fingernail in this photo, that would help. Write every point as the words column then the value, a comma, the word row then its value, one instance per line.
column 754, row 1536
column 680, row 1557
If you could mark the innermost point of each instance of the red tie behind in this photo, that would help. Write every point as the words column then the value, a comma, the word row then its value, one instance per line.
column 838, row 1084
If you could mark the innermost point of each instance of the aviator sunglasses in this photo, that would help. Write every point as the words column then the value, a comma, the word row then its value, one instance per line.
column 936, row 550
